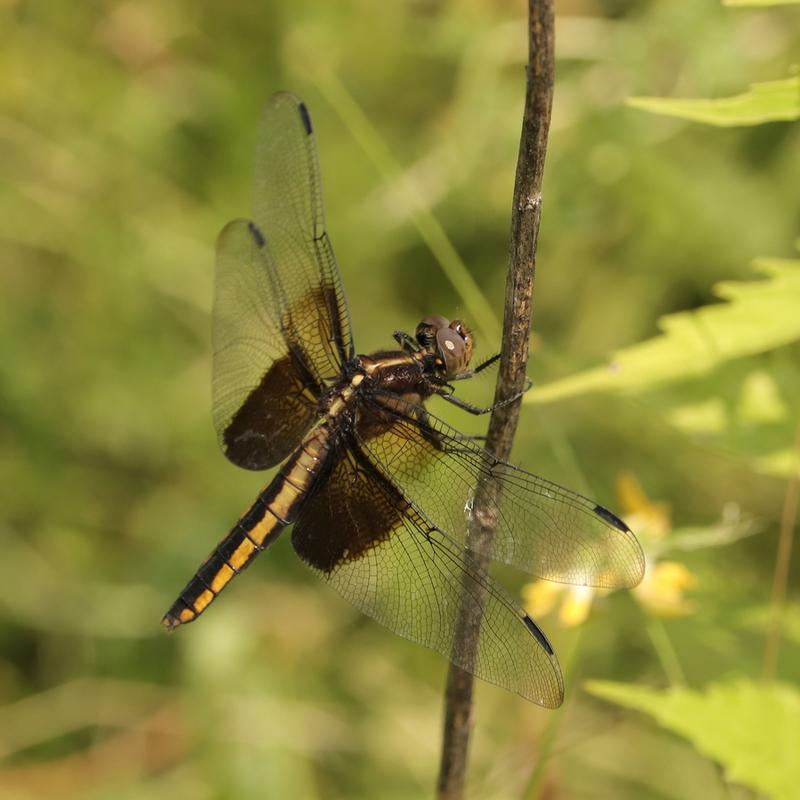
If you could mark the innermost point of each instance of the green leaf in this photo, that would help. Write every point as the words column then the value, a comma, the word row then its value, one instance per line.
column 759, row 316
column 763, row 102
column 752, row 730
column 760, row 2
column 743, row 409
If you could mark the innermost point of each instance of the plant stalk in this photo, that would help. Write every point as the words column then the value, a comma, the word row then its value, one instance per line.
column 518, row 313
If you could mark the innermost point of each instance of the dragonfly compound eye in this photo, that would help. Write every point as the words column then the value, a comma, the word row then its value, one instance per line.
column 428, row 328
column 453, row 351
column 466, row 335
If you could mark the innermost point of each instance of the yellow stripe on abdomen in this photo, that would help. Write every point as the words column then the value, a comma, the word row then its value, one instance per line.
column 275, row 508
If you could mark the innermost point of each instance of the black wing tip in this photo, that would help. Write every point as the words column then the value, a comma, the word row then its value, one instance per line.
column 611, row 518
column 306, row 117
column 255, row 232
column 637, row 564
column 539, row 634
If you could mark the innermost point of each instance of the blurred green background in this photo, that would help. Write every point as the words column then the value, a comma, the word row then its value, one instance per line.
column 127, row 131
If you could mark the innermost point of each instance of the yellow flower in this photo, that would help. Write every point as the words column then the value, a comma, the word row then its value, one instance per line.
column 661, row 590
column 575, row 602
column 650, row 520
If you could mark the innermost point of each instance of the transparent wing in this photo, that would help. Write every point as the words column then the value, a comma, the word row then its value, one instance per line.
column 379, row 552
column 288, row 210
column 281, row 324
column 541, row 527
column 264, row 394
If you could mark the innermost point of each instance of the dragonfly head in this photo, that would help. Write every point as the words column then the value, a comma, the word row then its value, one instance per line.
column 450, row 342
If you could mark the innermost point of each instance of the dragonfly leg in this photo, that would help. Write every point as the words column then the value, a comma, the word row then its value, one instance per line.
column 406, row 341
column 473, row 409
column 471, row 373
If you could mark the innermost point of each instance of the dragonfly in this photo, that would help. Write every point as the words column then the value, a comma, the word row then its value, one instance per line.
column 379, row 492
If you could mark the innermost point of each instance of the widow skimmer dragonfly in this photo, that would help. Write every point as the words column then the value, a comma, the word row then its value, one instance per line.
column 379, row 490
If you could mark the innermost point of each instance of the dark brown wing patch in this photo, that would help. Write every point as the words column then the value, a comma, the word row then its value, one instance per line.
column 273, row 418
column 361, row 536
column 346, row 515
column 311, row 325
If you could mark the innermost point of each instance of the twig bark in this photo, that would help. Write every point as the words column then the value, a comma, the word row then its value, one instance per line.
column 525, row 218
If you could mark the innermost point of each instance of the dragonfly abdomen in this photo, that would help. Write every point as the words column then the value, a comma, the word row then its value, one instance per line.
column 275, row 507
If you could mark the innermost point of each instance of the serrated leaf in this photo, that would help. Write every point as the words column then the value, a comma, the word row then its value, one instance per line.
column 759, row 316
column 763, row 102
column 752, row 730
column 760, row 2
column 745, row 408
